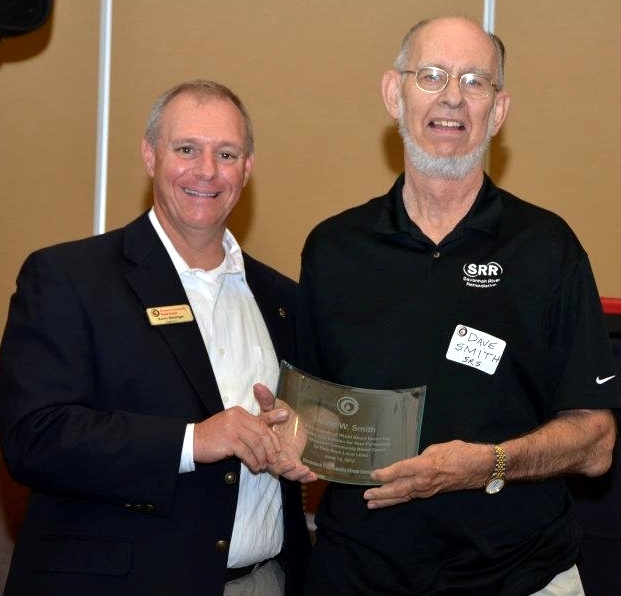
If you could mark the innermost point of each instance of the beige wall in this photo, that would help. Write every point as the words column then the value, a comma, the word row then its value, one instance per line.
column 48, row 120
column 560, row 145
column 309, row 72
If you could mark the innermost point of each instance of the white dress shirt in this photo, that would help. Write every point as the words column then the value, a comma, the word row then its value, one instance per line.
column 241, row 354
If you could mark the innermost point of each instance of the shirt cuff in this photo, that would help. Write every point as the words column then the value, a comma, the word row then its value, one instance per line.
column 187, row 453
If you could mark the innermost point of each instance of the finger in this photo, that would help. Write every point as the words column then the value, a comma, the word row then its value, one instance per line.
column 288, row 465
column 248, row 457
column 257, row 444
column 381, row 503
column 274, row 416
column 264, row 396
column 250, row 460
column 308, row 478
column 264, row 449
column 291, row 468
column 300, row 474
column 387, row 474
column 400, row 489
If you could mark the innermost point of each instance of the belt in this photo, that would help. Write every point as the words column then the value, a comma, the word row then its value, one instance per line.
column 236, row 572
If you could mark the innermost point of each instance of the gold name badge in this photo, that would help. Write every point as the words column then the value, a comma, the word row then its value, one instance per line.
column 168, row 315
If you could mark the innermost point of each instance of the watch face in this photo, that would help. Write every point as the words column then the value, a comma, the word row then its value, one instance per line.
column 494, row 486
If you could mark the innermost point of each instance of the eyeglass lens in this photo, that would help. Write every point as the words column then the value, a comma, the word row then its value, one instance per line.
column 434, row 80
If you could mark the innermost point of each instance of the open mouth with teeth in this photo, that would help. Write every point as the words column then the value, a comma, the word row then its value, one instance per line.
column 447, row 125
column 196, row 193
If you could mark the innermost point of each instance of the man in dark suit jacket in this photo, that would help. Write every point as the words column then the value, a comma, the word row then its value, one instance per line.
column 126, row 387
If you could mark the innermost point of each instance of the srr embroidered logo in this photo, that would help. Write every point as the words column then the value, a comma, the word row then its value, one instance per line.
column 482, row 275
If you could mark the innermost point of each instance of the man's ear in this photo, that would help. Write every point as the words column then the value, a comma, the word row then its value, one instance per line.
column 248, row 165
column 148, row 156
column 500, row 109
column 391, row 92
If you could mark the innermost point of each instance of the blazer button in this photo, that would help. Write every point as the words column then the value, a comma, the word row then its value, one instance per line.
column 230, row 478
column 222, row 546
column 282, row 313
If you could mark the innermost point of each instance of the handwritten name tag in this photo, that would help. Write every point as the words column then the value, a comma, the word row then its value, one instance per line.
column 475, row 348
column 167, row 315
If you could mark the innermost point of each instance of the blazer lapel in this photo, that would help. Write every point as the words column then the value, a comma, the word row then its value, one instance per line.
column 156, row 283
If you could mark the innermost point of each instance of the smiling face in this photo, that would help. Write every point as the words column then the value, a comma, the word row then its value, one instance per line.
column 199, row 166
column 445, row 133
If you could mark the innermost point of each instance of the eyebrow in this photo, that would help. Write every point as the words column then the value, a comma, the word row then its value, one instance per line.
column 200, row 141
column 469, row 70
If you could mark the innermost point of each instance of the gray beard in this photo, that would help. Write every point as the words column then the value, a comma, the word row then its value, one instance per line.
column 445, row 168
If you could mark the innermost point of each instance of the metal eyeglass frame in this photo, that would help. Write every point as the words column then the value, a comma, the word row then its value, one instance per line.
column 448, row 78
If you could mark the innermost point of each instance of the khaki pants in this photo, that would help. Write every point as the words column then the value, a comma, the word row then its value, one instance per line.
column 567, row 583
column 267, row 580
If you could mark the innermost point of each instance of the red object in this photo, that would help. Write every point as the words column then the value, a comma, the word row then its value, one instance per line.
column 611, row 306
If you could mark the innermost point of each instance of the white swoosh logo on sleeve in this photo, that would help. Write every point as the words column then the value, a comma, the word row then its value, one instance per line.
column 601, row 381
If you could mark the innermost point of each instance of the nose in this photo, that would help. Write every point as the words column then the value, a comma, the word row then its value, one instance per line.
column 452, row 94
column 205, row 166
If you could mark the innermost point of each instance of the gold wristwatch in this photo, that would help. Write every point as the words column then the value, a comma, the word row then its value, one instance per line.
column 496, row 481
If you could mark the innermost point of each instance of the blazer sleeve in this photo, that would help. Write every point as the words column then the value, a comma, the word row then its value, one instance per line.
column 61, row 431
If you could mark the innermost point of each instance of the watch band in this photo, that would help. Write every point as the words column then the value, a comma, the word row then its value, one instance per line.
column 496, row 481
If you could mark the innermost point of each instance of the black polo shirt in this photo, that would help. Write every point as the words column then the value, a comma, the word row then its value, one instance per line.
column 384, row 307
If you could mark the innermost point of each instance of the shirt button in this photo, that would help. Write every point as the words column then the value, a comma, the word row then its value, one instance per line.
column 222, row 546
column 221, row 351
column 436, row 254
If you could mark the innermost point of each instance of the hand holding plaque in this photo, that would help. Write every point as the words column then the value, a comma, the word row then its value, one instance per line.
column 289, row 462
column 347, row 432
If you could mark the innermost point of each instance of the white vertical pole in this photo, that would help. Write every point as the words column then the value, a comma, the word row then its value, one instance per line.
column 103, row 116
column 489, row 15
column 489, row 24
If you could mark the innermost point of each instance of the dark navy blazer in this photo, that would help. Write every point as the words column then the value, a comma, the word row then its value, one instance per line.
column 94, row 401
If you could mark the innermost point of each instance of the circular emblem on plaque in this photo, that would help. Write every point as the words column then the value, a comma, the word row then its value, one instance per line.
column 347, row 405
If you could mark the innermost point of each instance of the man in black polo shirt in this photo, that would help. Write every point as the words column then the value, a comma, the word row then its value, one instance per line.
column 450, row 282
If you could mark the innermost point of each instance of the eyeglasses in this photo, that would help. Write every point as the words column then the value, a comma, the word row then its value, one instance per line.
column 432, row 79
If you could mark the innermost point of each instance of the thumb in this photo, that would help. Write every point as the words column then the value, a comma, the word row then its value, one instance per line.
column 264, row 396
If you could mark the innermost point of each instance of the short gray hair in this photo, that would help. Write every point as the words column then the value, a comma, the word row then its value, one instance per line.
column 202, row 90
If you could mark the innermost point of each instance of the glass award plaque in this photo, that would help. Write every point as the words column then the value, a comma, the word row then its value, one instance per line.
column 348, row 432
